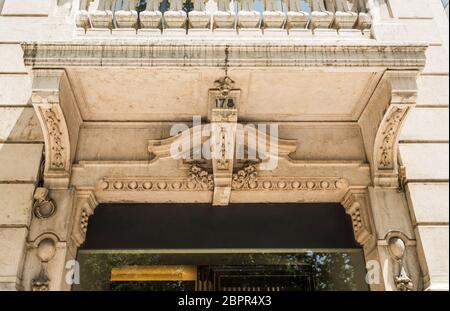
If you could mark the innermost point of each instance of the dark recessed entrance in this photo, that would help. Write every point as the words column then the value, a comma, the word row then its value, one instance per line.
column 240, row 247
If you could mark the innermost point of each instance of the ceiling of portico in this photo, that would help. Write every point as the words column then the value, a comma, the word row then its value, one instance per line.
column 269, row 94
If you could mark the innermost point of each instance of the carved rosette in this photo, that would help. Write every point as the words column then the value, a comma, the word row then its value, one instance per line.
column 198, row 179
column 85, row 204
column 356, row 205
column 203, row 181
column 291, row 184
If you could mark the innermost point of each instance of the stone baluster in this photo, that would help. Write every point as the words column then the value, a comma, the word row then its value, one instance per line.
column 152, row 16
column 296, row 18
column 198, row 17
column 320, row 16
column 364, row 19
column 175, row 17
column 103, row 16
column 127, row 16
column 344, row 18
column 82, row 16
column 247, row 16
column 224, row 17
column 273, row 17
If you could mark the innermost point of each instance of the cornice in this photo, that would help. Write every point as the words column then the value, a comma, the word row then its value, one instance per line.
column 245, row 53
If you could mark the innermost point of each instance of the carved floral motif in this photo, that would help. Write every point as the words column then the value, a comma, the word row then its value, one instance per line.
column 53, row 122
column 201, row 177
column 389, row 134
column 246, row 176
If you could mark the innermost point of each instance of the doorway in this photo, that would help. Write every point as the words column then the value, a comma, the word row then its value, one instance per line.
column 254, row 247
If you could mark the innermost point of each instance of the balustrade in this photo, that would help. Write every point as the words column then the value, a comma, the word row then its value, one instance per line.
column 224, row 17
column 103, row 16
column 151, row 17
column 127, row 16
column 241, row 14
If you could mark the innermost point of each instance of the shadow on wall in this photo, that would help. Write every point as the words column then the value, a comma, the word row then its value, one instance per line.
column 18, row 126
column 1, row 5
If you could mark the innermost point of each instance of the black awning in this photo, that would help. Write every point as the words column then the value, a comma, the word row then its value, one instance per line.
column 200, row 226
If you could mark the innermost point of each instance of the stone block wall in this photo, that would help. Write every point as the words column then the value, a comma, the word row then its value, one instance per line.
column 21, row 145
column 423, row 144
column 424, row 140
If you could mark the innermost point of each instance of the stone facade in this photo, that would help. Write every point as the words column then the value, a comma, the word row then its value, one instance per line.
column 89, row 91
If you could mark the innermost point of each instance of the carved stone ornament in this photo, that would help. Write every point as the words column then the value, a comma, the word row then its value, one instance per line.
column 56, row 135
column 43, row 206
column 53, row 124
column 42, row 282
column 390, row 130
column 397, row 250
column 85, row 203
column 224, row 17
column 224, row 84
column 356, row 205
column 49, row 111
column 201, row 177
column 45, row 252
column 245, row 177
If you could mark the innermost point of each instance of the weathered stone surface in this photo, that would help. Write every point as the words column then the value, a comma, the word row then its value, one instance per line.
column 11, row 58
column 437, row 60
column 390, row 212
column 33, row 28
column 433, row 254
column 238, row 53
column 15, row 89
column 428, row 202
column 19, row 125
column 433, row 90
column 26, row 8
column 323, row 77
column 12, row 244
column 426, row 124
column 425, row 161
column 20, row 162
column 343, row 142
column 414, row 9
column 60, row 222
column 16, row 204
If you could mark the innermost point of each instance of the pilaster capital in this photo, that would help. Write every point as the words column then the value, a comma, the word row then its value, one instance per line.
column 84, row 206
column 357, row 205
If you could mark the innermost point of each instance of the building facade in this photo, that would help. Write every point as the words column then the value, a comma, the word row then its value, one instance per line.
column 215, row 141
